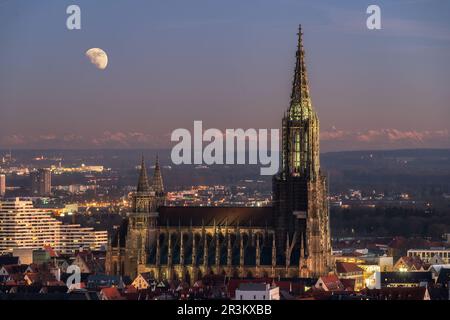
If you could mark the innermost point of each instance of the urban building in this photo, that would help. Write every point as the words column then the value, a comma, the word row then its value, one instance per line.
column 398, row 293
column 289, row 239
column 24, row 227
column 257, row 291
column 2, row 185
column 432, row 255
column 351, row 271
column 329, row 283
column 409, row 263
column 402, row 279
column 144, row 281
column 24, row 254
column 41, row 183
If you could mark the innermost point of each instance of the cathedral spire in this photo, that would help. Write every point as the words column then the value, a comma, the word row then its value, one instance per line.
column 143, row 185
column 157, row 181
column 300, row 125
column 300, row 106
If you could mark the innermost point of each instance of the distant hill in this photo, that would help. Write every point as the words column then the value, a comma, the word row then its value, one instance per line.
column 410, row 169
column 415, row 170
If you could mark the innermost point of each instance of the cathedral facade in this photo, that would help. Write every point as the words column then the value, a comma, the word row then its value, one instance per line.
column 289, row 239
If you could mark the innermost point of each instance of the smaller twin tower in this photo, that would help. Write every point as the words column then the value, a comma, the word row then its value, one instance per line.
column 289, row 239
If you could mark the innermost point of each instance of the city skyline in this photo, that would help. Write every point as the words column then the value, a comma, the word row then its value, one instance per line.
column 314, row 139
column 225, row 64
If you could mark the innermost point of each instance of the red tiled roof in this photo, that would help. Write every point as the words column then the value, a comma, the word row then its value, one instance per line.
column 32, row 276
column 346, row 267
column 147, row 276
column 349, row 284
column 415, row 262
column 40, row 277
column 332, row 282
column 50, row 251
column 130, row 289
column 17, row 277
column 111, row 293
column 15, row 268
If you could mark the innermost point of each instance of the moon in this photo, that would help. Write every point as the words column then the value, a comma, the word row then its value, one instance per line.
column 98, row 57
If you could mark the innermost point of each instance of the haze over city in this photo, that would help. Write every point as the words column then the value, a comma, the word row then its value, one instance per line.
column 228, row 64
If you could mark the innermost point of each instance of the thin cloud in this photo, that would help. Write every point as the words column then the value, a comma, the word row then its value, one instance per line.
column 108, row 139
column 390, row 138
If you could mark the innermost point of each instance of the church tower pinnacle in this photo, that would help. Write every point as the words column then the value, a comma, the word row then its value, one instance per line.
column 157, row 182
column 142, row 199
column 300, row 106
column 143, row 185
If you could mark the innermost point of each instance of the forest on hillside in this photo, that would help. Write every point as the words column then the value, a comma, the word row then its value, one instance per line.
column 388, row 222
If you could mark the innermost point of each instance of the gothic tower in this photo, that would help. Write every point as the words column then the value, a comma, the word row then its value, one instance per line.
column 142, row 222
column 300, row 205
column 158, row 185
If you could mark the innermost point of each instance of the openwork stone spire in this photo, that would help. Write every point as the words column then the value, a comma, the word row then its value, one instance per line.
column 300, row 125
column 157, row 183
column 143, row 185
column 300, row 106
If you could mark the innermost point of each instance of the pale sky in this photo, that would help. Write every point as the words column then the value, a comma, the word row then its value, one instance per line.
column 228, row 63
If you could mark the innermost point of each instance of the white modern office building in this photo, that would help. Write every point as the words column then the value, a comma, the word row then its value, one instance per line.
column 23, row 226
column 431, row 255
column 2, row 185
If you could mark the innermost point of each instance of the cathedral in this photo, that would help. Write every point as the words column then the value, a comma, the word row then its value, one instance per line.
column 289, row 239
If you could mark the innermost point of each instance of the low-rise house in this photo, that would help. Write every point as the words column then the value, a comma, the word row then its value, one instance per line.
column 88, row 262
column 257, row 291
column 349, row 284
column 351, row 271
column 12, row 269
column 443, row 278
column 329, row 283
column 144, row 281
column 13, row 279
column 435, row 269
column 131, row 293
column 111, row 294
column 39, row 278
column 288, row 286
column 409, row 264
